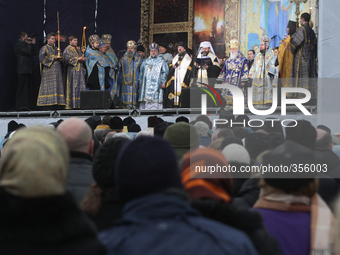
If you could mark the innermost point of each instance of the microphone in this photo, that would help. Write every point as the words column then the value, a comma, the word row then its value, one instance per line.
column 133, row 58
column 273, row 37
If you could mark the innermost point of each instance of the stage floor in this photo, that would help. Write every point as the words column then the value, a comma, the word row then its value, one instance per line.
column 30, row 118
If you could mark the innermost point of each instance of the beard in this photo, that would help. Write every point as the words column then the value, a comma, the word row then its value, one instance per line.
column 205, row 53
column 263, row 51
column 153, row 56
column 233, row 55
column 130, row 54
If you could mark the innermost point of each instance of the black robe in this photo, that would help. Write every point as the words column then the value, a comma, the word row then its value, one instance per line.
column 93, row 80
column 170, row 86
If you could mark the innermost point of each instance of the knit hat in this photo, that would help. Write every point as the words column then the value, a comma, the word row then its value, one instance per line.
column 204, row 118
column 153, row 120
column 287, row 154
column 104, row 162
column 128, row 120
column 182, row 119
column 183, row 137
column 133, row 127
column 12, row 126
column 323, row 127
column 303, row 133
column 152, row 170
column 160, row 128
column 231, row 140
column 256, row 143
column 202, row 128
column 236, row 153
column 116, row 123
column 218, row 187
column 140, row 48
column 92, row 123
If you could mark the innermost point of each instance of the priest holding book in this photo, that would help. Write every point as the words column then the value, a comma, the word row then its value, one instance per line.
column 203, row 71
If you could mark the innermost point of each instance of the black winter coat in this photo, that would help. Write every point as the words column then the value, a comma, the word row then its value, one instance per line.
column 45, row 225
column 24, row 53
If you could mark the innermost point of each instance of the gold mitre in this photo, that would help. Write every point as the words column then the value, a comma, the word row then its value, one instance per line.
column 107, row 38
column 265, row 39
column 234, row 44
column 131, row 44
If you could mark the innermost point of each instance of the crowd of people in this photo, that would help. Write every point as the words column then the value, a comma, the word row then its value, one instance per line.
column 105, row 186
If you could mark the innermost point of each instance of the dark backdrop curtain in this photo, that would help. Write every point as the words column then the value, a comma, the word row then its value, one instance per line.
column 73, row 16
column 16, row 16
column 121, row 19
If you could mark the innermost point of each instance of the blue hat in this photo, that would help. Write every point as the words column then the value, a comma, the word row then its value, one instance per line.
column 101, row 43
column 146, row 166
column 154, row 46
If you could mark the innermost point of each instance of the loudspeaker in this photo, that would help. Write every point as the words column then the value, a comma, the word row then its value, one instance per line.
column 95, row 99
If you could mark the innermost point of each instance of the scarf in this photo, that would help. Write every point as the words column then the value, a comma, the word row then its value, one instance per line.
column 321, row 216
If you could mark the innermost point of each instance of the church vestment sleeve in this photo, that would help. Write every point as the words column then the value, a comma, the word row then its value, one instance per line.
column 141, row 73
column 164, row 72
column 223, row 73
column 45, row 58
column 120, row 77
column 244, row 71
column 297, row 39
column 171, row 75
column 70, row 57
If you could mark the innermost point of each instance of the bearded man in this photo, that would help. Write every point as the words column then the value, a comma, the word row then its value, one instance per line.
column 152, row 79
column 205, row 72
column 128, row 75
column 235, row 71
column 263, row 78
column 178, row 78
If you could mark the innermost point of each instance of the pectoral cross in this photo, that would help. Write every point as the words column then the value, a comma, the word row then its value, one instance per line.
column 151, row 67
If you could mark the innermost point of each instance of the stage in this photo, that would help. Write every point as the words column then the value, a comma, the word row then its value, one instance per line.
column 30, row 118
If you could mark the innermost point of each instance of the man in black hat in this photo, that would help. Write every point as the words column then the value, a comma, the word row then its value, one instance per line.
column 163, row 52
column 178, row 78
column 141, row 51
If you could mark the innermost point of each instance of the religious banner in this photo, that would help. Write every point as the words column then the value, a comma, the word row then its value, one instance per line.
column 209, row 25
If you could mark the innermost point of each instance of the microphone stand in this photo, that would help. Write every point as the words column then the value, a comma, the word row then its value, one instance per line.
column 133, row 80
column 264, row 71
